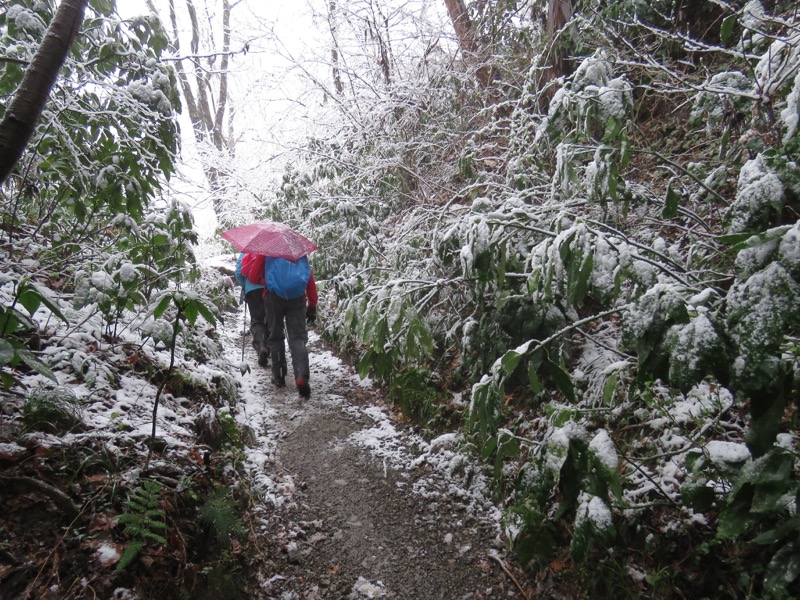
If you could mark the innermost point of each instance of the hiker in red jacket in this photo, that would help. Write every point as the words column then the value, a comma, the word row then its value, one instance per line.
column 254, row 296
column 291, row 298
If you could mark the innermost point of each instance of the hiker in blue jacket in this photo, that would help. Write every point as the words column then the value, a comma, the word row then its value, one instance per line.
column 254, row 296
column 291, row 299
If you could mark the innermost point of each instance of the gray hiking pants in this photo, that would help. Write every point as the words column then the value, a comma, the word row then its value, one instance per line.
column 293, row 313
column 258, row 317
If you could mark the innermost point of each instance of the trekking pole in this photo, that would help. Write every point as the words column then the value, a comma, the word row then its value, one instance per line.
column 244, row 329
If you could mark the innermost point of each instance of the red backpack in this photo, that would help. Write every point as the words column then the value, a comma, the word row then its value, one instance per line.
column 253, row 268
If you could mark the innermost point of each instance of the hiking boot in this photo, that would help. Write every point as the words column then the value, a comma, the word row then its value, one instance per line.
column 263, row 356
column 279, row 381
column 303, row 387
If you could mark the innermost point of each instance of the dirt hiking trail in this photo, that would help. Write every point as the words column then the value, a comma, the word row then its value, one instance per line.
column 356, row 504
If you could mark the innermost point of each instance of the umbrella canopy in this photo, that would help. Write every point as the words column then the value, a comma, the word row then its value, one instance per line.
column 270, row 239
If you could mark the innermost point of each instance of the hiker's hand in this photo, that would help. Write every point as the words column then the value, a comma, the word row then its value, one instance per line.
column 311, row 315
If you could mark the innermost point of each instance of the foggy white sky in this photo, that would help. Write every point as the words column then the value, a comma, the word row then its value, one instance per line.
column 276, row 88
column 263, row 90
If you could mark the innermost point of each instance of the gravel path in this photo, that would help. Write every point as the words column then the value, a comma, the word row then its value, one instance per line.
column 365, row 507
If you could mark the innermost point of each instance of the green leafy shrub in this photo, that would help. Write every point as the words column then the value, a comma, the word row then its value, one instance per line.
column 719, row 105
column 762, row 508
column 98, row 155
column 417, row 395
column 148, row 256
column 16, row 327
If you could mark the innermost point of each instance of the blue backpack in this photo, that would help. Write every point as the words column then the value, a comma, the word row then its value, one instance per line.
column 287, row 278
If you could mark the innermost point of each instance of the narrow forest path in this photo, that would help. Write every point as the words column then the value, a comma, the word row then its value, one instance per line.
column 355, row 504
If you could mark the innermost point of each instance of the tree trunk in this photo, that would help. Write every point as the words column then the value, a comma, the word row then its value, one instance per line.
column 466, row 35
column 337, row 75
column 208, row 125
column 382, row 57
column 19, row 121
column 222, row 97
column 559, row 12
column 462, row 24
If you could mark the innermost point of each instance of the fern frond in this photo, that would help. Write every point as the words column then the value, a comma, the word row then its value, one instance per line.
column 154, row 536
column 145, row 518
column 153, row 524
column 129, row 554
column 219, row 514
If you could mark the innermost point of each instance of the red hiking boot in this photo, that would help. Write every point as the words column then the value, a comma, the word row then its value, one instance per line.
column 303, row 387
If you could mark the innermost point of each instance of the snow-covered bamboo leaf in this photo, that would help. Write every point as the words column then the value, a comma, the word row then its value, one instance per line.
column 30, row 299
column 671, row 202
column 612, row 130
column 613, row 181
column 349, row 321
column 579, row 283
column 162, row 305
column 609, row 388
column 424, row 339
column 190, row 311
column 784, row 567
column 625, row 152
column 397, row 316
column 207, row 312
column 382, row 365
column 509, row 361
column 13, row 321
column 8, row 380
column 34, row 363
column 103, row 7
column 562, row 380
column 365, row 365
column 727, row 28
column 565, row 247
column 533, row 378
column 381, row 333
column 489, row 447
column 7, row 352
column 507, row 447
